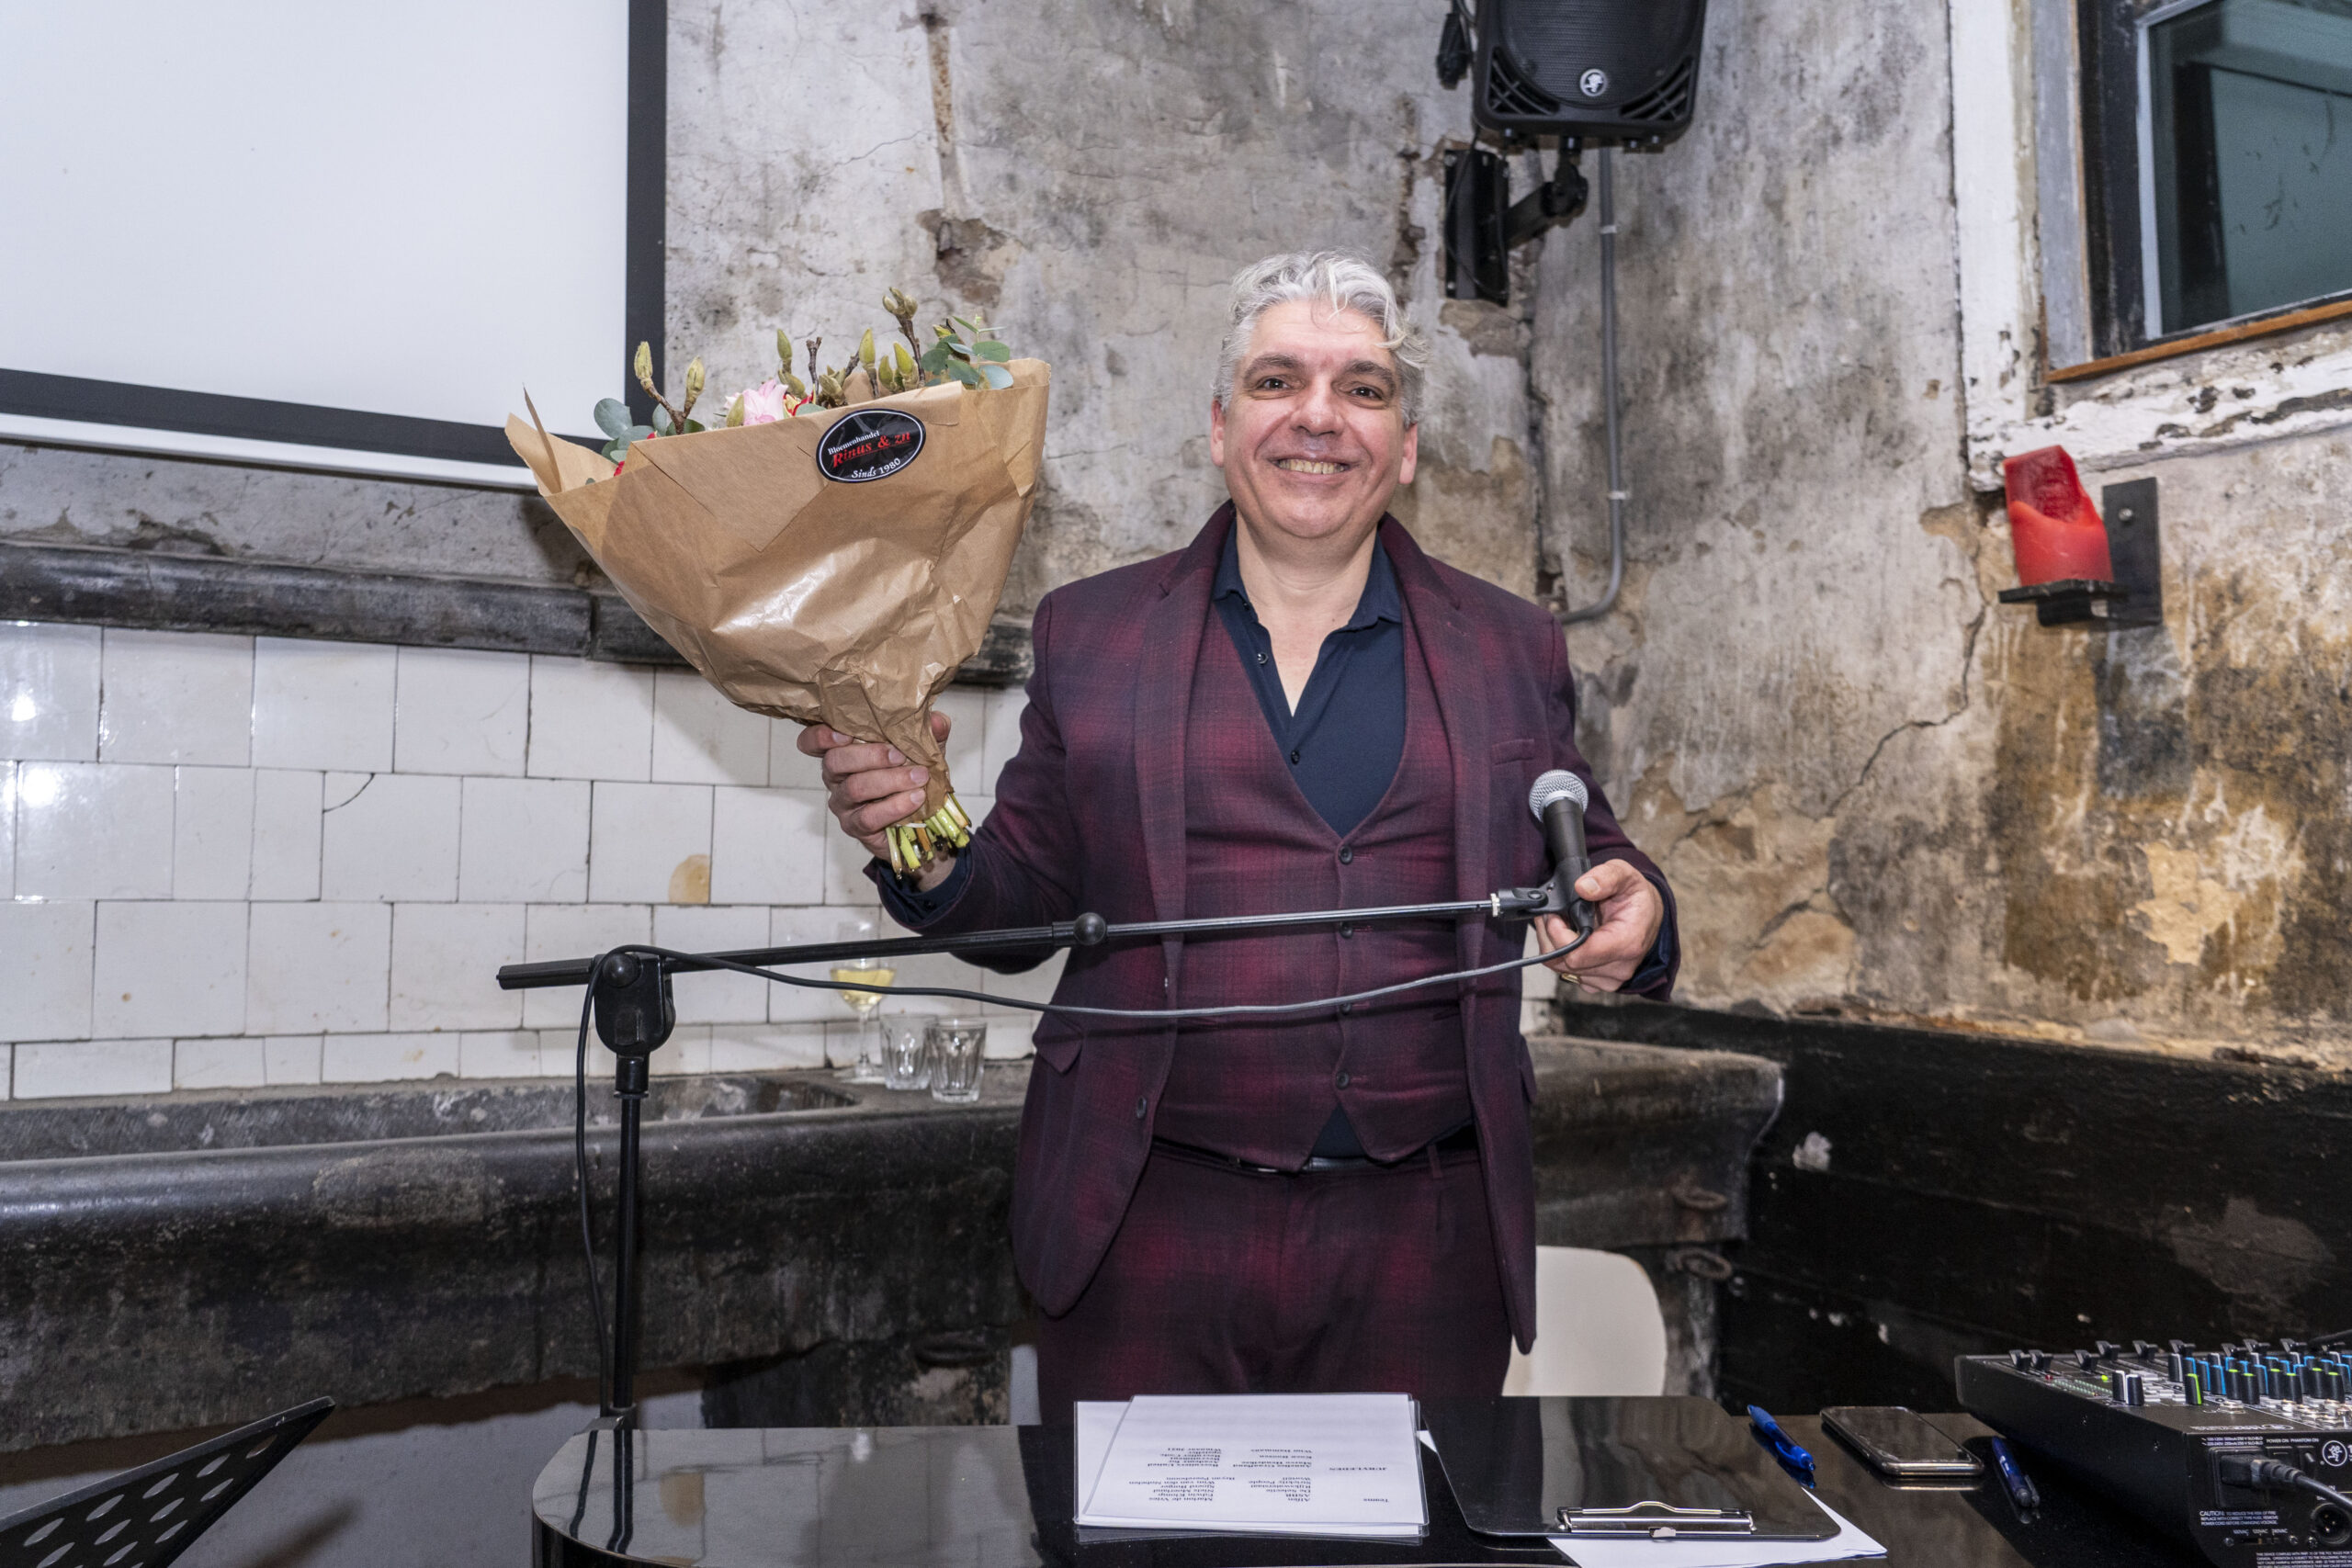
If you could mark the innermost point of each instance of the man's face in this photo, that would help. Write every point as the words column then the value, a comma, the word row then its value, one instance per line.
column 1311, row 436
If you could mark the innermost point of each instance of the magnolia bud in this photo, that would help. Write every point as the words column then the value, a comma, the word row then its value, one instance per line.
column 645, row 367
column 865, row 349
column 694, row 380
column 795, row 385
column 735, row 411
column 905, row 362
column 784, row 350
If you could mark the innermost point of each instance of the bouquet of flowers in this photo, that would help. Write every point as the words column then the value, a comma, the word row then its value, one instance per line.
column 833, row 550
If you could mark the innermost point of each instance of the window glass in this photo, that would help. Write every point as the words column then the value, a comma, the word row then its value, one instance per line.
column 2248, row 135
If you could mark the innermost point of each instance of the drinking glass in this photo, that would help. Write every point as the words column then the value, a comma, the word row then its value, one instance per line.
column 906, row 1051
column 954, row 1045
column 867, row 1067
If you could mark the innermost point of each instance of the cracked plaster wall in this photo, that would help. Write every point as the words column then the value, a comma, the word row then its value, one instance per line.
column 1090, row 173
column 1878, row 792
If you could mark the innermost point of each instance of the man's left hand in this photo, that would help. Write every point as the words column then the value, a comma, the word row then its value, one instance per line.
column 1630, row 912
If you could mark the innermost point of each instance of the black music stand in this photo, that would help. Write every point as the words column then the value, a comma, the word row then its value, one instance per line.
column 149, row 1515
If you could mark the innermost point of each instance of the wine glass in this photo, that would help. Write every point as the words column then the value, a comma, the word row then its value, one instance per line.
column 867, row 1067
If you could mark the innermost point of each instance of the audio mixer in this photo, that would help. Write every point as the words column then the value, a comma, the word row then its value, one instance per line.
column 2245, row 1452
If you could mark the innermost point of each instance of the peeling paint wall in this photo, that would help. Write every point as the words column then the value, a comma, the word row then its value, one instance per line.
column 1090, row 173
column 1879, row 792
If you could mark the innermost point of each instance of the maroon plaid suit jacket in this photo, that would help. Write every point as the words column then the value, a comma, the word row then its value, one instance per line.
column 1090, row 816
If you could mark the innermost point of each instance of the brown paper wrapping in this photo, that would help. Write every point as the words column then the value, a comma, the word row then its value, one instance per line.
column 805, row 597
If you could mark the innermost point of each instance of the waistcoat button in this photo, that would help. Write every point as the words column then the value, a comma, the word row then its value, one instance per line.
column 1143, row 1103
column 1342, row 1080
column 1346, row 855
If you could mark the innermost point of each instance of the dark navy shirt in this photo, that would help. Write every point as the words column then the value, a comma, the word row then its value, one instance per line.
column 1347, row 734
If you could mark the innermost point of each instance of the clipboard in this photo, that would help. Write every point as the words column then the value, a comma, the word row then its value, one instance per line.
column 1606, row 1467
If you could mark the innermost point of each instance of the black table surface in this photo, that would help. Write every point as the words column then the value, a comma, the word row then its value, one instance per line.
column 1000, row 1497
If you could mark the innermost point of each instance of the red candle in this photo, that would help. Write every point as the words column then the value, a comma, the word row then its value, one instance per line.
column 2054, row 527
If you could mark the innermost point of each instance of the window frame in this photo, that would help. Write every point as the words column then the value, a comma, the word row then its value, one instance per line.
column 2119, row 215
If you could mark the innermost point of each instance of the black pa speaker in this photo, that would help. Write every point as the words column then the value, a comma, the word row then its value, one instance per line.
column 1623, row 71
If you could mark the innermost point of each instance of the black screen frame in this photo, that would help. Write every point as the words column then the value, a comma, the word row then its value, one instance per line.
column 133, row 406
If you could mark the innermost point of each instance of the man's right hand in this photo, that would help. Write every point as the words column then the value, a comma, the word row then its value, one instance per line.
column 869, row 786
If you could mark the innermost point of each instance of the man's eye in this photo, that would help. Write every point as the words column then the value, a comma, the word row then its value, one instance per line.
column 1270, row 383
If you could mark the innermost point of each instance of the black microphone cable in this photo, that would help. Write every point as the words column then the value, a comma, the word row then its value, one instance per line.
column 596, row 973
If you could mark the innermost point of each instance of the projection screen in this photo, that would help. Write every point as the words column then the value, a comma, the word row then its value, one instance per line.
column 328, row 236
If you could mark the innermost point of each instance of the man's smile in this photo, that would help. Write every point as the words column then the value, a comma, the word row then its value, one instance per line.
column 1308, row 466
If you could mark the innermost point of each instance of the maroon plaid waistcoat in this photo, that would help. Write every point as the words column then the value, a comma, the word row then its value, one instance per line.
column 1090, row 816
column 1260, row 1089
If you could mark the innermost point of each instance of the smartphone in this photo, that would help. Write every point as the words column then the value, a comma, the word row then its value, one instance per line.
column 1897, row 1441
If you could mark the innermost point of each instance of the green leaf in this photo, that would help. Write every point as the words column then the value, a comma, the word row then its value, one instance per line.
column 639, row 432
column 934, row 358
column 998, row 375
column 988, row 348
column 661, row 419
column 963, row 373
column 617, row 449
column 612, row 417
column 695, row 424
column 971, row 326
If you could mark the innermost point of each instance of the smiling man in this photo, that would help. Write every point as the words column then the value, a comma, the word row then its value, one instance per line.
column 1300, row 710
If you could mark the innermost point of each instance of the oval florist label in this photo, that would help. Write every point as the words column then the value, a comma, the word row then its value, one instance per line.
column 871, row 444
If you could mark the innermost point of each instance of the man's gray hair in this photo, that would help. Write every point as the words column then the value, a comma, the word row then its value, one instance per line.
column 1343, row 283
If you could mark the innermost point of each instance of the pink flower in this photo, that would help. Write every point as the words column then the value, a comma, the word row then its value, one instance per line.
column 766, row 403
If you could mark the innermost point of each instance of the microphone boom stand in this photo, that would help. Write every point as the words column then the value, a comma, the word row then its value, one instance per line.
column 635, row 1014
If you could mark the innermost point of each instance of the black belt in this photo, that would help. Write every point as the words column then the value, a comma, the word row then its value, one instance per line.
column 1462, row 1140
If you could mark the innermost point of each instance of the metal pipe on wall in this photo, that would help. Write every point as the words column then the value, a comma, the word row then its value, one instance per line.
column 1617, row 496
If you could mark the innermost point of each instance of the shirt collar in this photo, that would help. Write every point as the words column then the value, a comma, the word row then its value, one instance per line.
column 1381, row 601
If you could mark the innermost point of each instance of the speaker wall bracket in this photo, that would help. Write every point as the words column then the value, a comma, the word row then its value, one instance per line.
column 1483, row 225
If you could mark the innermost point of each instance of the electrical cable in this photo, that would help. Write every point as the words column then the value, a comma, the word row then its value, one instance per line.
column 2270, row 1474
column 1610, row 398
column 1251, row 1009
column 587, row 1011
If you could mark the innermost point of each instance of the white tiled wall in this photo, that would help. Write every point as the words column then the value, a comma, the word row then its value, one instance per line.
column 234, row 861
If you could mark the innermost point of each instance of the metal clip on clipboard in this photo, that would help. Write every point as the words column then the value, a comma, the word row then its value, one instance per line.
column 1662, row 1521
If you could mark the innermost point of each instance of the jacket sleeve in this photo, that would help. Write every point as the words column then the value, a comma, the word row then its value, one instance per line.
column 1020, row 868
column 1602, row 835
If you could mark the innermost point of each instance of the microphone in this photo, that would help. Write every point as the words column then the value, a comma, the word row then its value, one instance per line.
column 1558, row 801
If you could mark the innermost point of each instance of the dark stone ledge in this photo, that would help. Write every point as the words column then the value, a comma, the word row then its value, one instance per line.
column 158, row 591
column 203, row 1267
column 1932, row 1193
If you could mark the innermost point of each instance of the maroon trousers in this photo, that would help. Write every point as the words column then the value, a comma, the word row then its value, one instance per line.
column 1224, row 1279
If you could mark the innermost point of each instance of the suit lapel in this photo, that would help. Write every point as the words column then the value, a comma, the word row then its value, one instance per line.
column 1171, row 639
column 1450, row 645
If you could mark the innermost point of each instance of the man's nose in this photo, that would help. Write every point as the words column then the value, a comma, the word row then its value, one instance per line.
column 1318, row 413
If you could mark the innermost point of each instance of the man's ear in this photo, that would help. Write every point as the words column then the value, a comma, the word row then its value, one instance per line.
column 1216, row 432
column 1412, row 455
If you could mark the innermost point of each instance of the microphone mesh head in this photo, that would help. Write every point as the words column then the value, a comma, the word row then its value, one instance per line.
column 1557, row 785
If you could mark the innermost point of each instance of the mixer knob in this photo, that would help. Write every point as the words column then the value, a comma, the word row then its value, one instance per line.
column 2037, row 1359
column 2143, row 1348
column 2105, row 1348
column 2128, row 1389
column 2019, row 1359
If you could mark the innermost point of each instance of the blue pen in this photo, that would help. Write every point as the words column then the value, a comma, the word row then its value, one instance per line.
column 2020, row 1486
column 1784, row 1447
